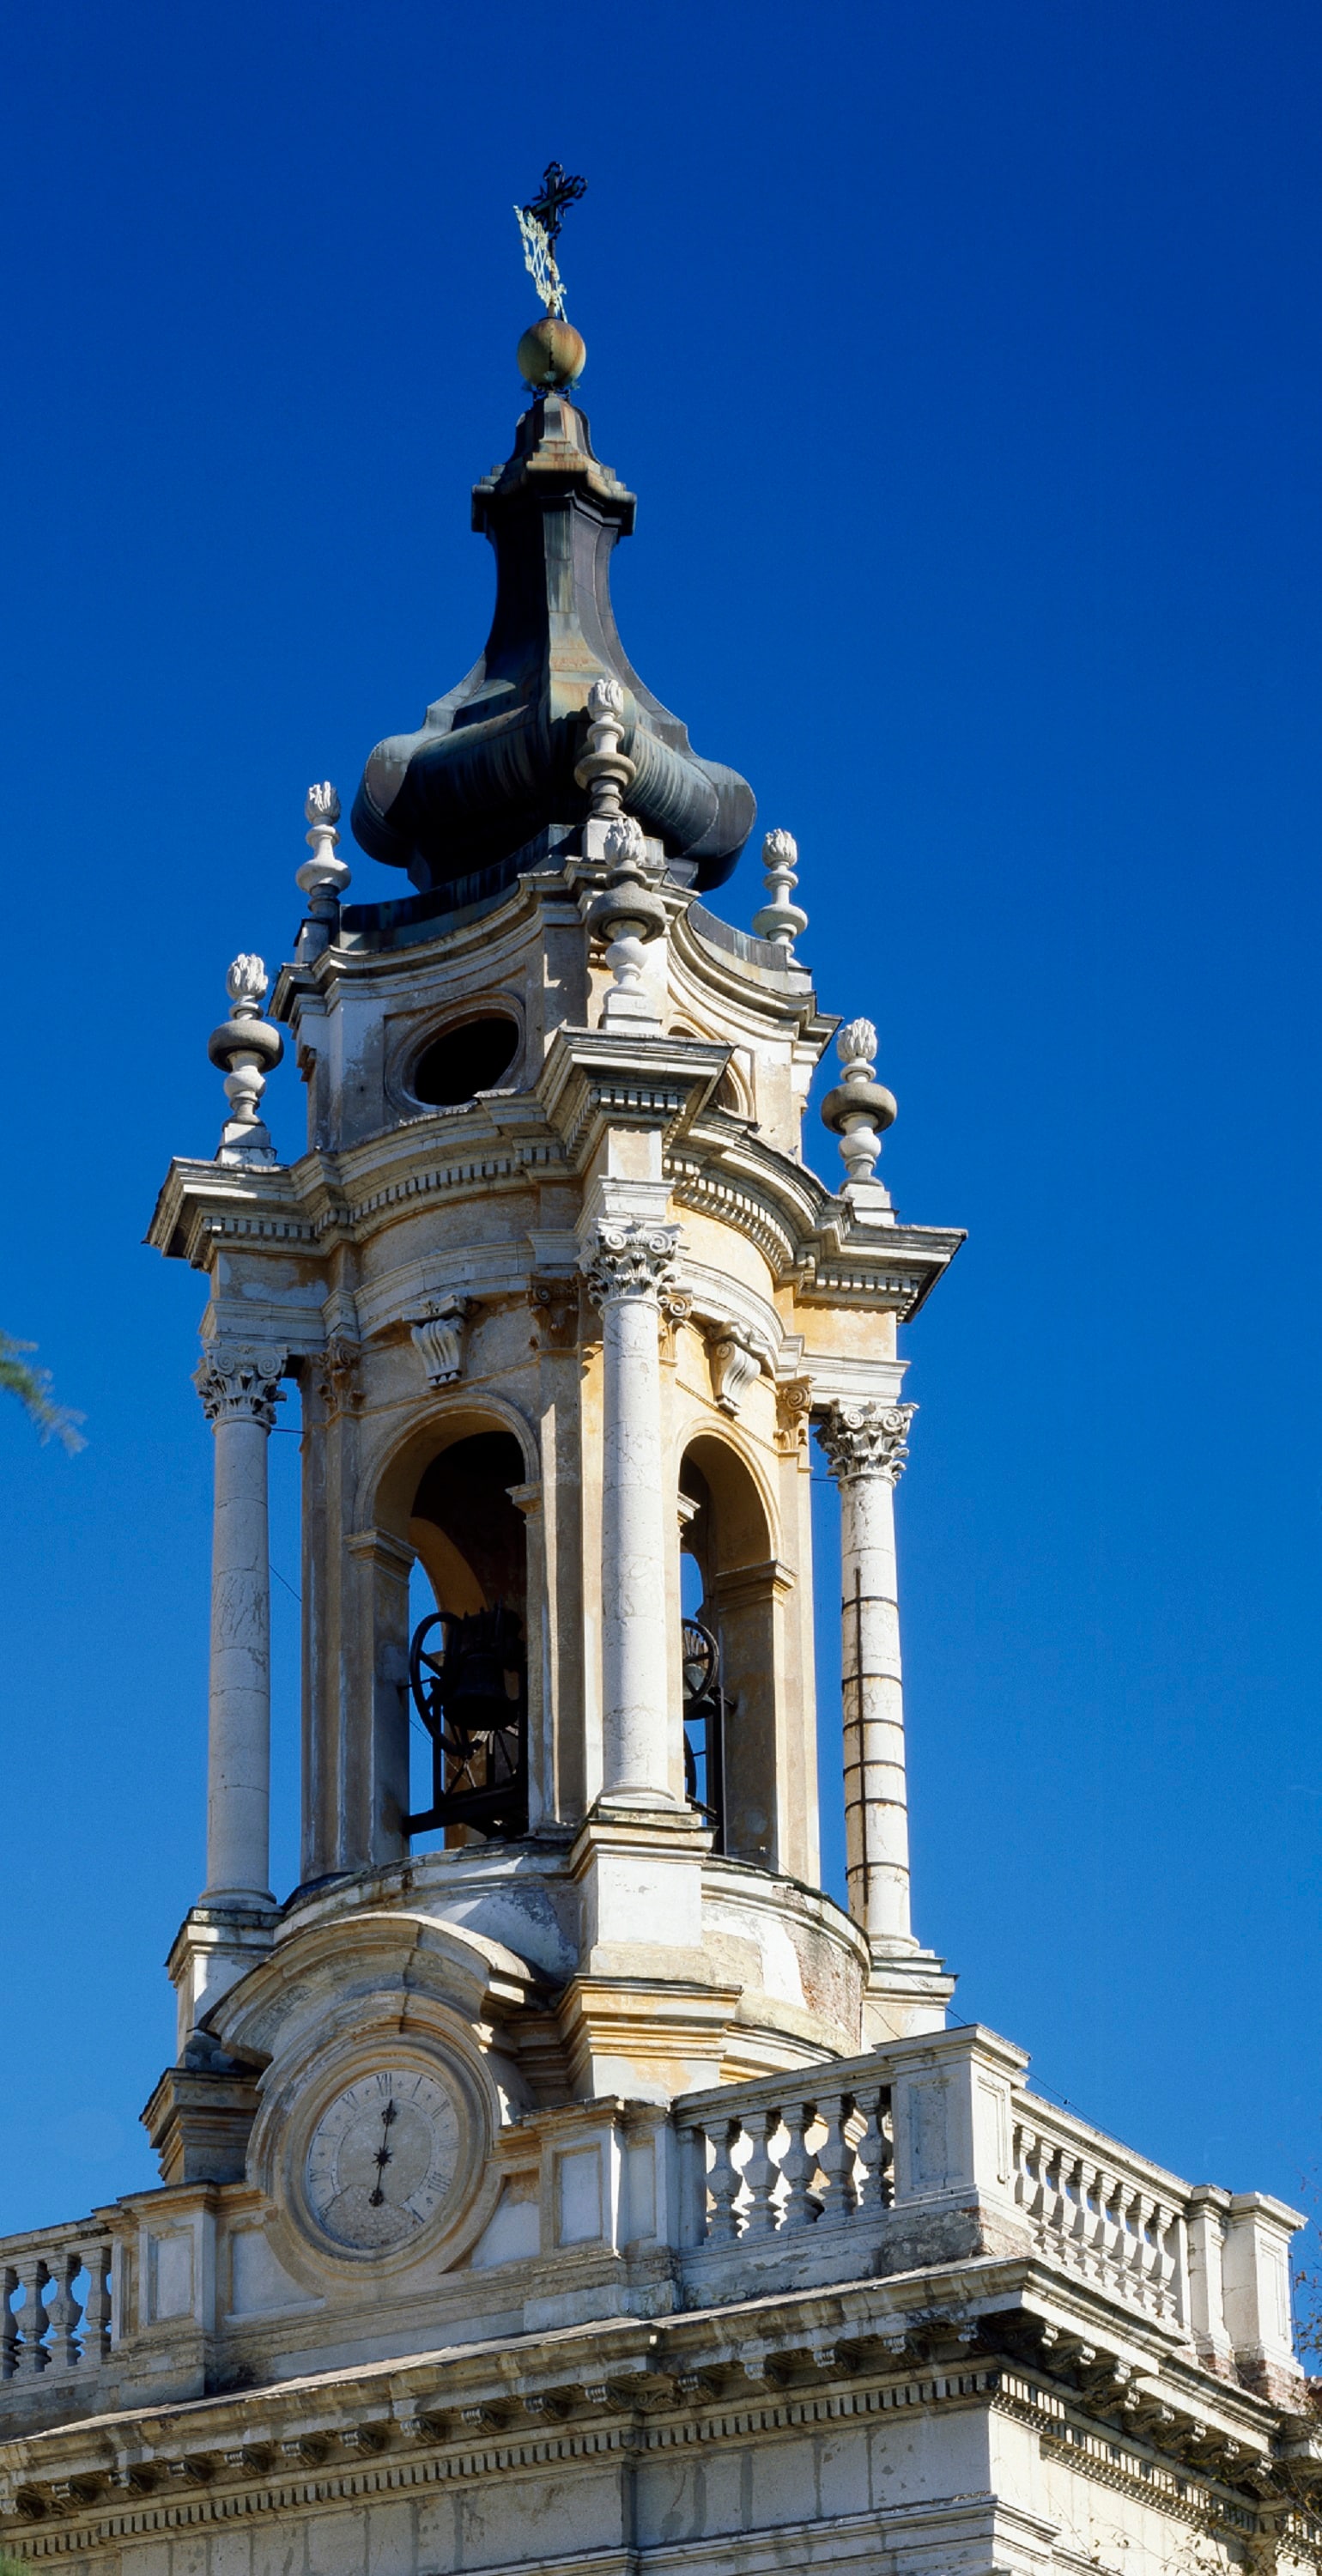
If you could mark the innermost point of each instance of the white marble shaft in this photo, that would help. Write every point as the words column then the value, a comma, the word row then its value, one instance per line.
column 627, row 1271
column 866, row 1447
column 239, row 1391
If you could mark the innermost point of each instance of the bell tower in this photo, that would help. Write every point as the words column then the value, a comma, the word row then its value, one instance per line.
column 556, row 2176
column 561, row 1302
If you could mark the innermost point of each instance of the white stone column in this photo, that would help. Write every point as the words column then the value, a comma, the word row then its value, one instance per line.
column 866, row 1445
column 239, row 1390
column 628, row 1268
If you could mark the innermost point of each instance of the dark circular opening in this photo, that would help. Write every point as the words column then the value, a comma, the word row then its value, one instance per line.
column 467, row 1059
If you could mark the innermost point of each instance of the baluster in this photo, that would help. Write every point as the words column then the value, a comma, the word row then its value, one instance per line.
column 8, row 2322
column 1037, row 2184
column 1131, row 2237
column 65, row 2310
column 856, row 2177
column 835, row 2156
column 1153, row 2273
column 723, row 2181
column 761, row 2174
column 798, row 2165
column 1075, row 2178
column 1117, row 2237
column 32, row 2354
column 1048, row 2219
column 1020, row 2161
column 1100, row 2230
column 96, row 2313
column 1171, row 2242
column 875, row 2185
column 1112, row 2232
column 1104, row 2235
column 1086, row 2227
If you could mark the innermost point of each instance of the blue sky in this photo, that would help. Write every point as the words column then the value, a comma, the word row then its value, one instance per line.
column 967, row 362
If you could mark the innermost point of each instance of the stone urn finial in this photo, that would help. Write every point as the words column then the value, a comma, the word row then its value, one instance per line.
column 604, row 770
column 627, row 914
column 246, row 1047
column 323, row 878
column 859, row 1111
column 779, row 919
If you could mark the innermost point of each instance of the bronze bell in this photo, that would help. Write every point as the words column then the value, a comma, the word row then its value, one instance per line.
column 479, row 1680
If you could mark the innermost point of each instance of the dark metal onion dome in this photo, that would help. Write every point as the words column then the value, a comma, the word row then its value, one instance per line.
column 492, row 767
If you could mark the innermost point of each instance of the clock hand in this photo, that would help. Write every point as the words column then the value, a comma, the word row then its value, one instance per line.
column 383, row 2156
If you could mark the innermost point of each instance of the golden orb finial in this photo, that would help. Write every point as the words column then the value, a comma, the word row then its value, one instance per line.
column 551, row 354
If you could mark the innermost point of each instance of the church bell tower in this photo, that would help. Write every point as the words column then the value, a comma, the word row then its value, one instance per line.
column 556, row 2178
column 562, row 1302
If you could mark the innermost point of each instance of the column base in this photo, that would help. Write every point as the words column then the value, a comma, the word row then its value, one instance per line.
column 646, row 2039
column 638, row 1870
column 215, row 1945
column 908, row 1992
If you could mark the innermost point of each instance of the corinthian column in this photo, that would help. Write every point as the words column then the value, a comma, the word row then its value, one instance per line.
column 866, row 1445
column 240, row 1390
column 628, row 1268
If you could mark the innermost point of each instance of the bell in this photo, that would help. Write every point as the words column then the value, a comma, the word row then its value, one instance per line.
column 479, row 1679
column 480, row 1675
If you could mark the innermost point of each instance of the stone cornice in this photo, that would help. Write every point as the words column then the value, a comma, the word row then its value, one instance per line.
column 962, row 2334
column 494, row 935
column 591, row 1080
column 807, row 1237
column 490, row 935
column 782, row 997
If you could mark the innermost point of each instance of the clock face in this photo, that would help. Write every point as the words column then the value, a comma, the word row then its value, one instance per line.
column 382, row 2157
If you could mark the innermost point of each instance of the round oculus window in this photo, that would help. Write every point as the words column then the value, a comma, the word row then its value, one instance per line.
column 464, row 1061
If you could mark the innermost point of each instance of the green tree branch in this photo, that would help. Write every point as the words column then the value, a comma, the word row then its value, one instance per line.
column 33, row 1388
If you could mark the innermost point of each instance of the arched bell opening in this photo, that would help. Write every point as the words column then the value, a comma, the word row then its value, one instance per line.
column 728, row 1595
column 468, row 1666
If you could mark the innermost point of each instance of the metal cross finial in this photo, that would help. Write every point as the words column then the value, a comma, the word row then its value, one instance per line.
column 539, row 226
column 558, row 191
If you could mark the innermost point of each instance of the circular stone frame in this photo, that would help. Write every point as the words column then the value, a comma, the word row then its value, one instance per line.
column 305, row 2089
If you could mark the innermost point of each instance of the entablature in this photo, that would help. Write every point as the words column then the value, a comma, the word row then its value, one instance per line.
column 592, row 1083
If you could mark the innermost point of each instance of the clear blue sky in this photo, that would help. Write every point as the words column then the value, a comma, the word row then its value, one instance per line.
column 967, row 362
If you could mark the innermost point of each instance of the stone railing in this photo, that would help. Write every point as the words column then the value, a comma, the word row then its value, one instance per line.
column 929, row 2152
column 798, row 2151
column 933, row 2148
column 1101, row 2212
column 55, row 2300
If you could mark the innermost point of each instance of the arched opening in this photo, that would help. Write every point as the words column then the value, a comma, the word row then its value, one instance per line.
column 468, row 1675
column 728, row 1593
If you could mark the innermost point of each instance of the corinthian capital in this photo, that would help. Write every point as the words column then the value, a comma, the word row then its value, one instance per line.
column 867, row 1440
column 630, row 1261
column 240, row 1385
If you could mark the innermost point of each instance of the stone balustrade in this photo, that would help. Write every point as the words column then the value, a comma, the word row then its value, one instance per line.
column 1101, row 2212
column 936, row 2143
column 803, row 2150
column 927, row 2153
column 55, row 2300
